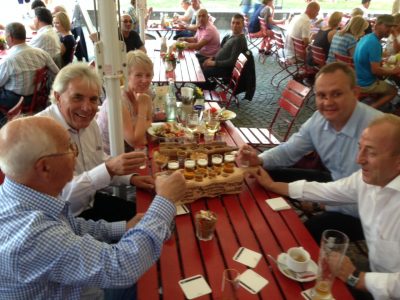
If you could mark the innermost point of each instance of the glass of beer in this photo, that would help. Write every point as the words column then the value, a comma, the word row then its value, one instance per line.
column 334, row 245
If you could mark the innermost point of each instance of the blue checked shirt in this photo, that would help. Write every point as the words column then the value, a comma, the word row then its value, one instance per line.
column 46, row 253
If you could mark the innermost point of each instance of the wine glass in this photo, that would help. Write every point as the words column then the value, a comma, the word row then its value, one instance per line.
column 161, row 160
column 192, row 122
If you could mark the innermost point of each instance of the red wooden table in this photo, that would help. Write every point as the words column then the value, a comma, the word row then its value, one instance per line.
column 187, row 69
column 243, row 220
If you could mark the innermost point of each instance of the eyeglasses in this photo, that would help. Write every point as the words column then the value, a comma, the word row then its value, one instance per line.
column 73, row 148
column 127, row 21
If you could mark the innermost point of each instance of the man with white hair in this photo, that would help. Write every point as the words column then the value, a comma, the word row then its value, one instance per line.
column 75, row 96
column 45, row 252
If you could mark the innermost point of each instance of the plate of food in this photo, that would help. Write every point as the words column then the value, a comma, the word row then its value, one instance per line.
column 166, row 130
column 223, row 113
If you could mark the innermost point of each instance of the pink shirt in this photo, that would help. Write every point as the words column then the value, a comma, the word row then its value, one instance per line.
column 211, row 34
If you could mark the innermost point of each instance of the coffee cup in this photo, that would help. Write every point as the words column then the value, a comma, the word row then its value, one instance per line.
column 297, row 259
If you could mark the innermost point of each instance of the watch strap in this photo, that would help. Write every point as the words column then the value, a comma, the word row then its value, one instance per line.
column 353, row 278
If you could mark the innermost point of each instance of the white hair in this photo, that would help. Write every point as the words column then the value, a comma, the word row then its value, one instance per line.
column 24, row 143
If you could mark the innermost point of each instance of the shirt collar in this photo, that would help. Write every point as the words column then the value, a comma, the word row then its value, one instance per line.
column 352, row 124
column 61, row 119
column 32, row 199
column 394, row 184
column 44, row 28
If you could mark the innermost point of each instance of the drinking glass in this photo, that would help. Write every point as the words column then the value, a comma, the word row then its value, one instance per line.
column 192, row 122
column 230, row 284
column 142, row 149
column 334, row 243
column 212, row 124
column 161, row 160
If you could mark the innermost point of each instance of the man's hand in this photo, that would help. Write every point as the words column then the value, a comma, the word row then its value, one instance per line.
column 209, row 62
column 248, row 154
column 346, row 269
column 143, row 182
column 125, row 163
column 172, row 187
column 268, row 183
column 132, row 222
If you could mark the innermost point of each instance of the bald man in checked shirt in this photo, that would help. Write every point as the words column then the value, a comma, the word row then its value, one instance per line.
column 46, row 253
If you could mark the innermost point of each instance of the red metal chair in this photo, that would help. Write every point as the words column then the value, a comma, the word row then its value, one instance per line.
column 266, row 40
column 278, row 50
column 16, row 110
column 253, row 40
column 345, row 59
column 289, row 106
column 318, row 56
column 225, row 92
column 40, row 93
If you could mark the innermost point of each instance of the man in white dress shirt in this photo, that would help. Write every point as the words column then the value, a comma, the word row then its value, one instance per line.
column 46, row 38
column 75, row 96
column 376, row 190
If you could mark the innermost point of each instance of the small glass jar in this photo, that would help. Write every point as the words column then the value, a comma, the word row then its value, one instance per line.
column 190, row 166
column 229, row 163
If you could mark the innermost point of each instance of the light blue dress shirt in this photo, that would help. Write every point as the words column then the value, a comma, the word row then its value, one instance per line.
column 337, row 149
column 46, row 253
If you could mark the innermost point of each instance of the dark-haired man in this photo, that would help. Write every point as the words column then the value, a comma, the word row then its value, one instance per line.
column 46, row 38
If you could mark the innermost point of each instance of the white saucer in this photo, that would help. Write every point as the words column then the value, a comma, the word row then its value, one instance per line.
column 312, row 267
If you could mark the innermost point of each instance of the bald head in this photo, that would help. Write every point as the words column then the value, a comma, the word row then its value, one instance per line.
column 312, row 10
column 23, row 141
column 202, row 17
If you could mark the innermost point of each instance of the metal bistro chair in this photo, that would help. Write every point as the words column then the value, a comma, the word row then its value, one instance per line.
column 345, row 59
column 290, row 104
column 225, row 92
column 266, row 40
column 13, row 112
column 253, row 41
column 280, row 57
column 300, row 54
column 40, row 93
column 318, row 57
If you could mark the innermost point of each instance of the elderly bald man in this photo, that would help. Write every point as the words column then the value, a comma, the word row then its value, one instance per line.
column 45, row 252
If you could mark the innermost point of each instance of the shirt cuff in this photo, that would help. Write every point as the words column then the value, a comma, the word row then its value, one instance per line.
column 122, row 180
column 296, row 189
column 100, row 178
column 164, row 208
column 118, row 229
column 378, row 284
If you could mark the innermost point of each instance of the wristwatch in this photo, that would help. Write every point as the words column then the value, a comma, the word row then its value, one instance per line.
column 353, row 278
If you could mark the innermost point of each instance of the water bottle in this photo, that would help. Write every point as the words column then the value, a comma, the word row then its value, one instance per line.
column 171, row 102
column 163, row 47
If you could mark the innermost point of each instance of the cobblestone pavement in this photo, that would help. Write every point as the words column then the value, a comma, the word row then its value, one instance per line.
column 260, row 111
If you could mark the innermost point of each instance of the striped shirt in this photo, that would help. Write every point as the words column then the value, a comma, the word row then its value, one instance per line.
column 46, row 253
column 341, row 44
column 48, row 40
column 18, row 68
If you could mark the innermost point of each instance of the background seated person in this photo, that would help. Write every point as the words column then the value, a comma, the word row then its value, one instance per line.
column 131, row 37
column 68, row 255
column 18, row 68
column 206, row 39
column 300, row 27
column 191, row 27
column 186, row 18
column 62, row 24
column 46, row 38
column 231, row 46
column 344, row 41
column 136, row 103
column 368, row 63
column 324, row 36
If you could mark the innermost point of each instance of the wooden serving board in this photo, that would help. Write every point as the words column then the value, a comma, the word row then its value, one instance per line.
column 171, row 148
column 221, row 184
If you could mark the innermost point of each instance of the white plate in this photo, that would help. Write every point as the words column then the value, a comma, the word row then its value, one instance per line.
column 150, row 130
column 227, row 115
column 312, row 267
